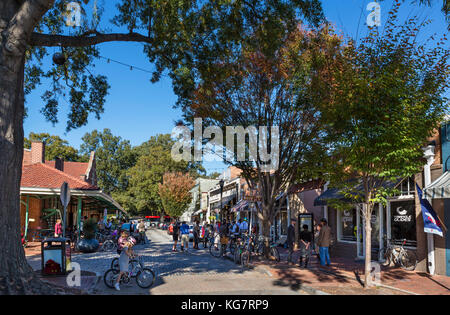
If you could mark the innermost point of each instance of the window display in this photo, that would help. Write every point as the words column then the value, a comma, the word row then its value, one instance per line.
column 403, row 221
column 348, row 225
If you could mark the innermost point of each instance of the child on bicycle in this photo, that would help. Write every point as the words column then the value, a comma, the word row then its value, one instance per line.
column 122, row 240
column 124, row 259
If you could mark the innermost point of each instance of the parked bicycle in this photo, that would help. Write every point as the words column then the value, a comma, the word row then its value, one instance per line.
column 257, row 247
column 221, row 245
column 110, row 244
column 144, row 275
column 242, row 254
column 400, row 256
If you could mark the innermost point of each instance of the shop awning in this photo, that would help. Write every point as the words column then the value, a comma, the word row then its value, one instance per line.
column 440, row 188
column 329, row 195
column 240, row 206
column 198, row 212
column 225, row 201
column 338, row 194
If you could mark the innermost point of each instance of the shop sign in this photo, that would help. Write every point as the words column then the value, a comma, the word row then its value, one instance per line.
column 402, row 215
column 347, row 216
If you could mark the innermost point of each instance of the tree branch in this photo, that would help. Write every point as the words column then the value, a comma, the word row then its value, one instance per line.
column 38, row 39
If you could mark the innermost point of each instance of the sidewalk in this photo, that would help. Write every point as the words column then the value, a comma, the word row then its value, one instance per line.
column 346, row 276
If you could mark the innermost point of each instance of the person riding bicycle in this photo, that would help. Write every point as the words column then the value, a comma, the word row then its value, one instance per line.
column 122, row 241
column 223, row 232
column 124, row 259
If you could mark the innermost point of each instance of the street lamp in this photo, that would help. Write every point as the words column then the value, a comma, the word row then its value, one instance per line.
column 221, row 183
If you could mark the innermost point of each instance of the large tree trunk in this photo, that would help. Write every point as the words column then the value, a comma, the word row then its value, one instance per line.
column 266, row 224
column 16, row 276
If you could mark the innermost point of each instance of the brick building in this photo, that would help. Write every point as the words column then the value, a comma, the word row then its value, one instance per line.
column 40, row 191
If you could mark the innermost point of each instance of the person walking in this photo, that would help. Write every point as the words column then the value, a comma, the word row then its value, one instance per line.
column 323, row 242
column 223, row 233
column 58, row 228
column 305, row 245
column 141, row 230
column 175, row 235
column 184, row 232
column 291, row 240
column 196, row 233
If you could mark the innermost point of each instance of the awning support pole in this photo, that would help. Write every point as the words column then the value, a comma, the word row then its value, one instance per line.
column 429, row 155
column 27, row 207
column 79, row 216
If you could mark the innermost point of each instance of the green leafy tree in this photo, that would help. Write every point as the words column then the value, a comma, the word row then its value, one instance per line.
column 54, row 147
column 385, row 97
column 176, row 35
column 445, row 7
column 148, row 172
column 114, row 156
column 268, row 83
column 175, row 193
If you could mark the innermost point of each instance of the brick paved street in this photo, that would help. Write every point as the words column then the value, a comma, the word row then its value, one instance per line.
column 196, row 272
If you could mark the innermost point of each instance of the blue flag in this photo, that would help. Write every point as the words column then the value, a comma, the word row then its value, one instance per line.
column 432, row 224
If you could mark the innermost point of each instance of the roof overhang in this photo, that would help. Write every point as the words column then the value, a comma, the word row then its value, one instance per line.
column 95, row 194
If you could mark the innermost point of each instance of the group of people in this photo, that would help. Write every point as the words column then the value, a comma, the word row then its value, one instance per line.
column 322, row 238
column 180, row 231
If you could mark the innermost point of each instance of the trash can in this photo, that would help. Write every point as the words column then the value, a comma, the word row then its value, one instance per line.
column 55, row 255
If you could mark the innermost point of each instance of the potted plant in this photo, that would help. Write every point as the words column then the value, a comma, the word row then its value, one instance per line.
column 89, row 244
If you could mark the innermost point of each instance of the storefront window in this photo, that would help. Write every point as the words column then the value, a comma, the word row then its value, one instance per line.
column 375, row 225
column 403, row 221
column 348, row 225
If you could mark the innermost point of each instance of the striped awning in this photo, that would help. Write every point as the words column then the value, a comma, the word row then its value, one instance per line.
column 440, row 188
column 240, row 206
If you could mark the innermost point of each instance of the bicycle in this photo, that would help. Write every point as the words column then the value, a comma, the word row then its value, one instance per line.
column 144, row 276
column 110, row 244
column 242, row 254
column 398, row 255
column 225, row 243
column 258, row 248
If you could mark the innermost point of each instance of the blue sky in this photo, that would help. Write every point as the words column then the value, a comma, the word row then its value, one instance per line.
column 136, row 109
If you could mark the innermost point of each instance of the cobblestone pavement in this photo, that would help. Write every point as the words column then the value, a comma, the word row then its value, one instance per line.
column 195, row 272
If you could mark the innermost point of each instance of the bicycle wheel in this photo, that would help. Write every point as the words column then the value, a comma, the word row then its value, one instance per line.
column 260, row 248
column 215, row 251
column 145, row 278
column 245, row 258
column 237, row 256
column 275, row 254
column 109, row 245
column 386, row 257
column 408, row 260
column 110, row 278
column 232, row 246
column 115, row 264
